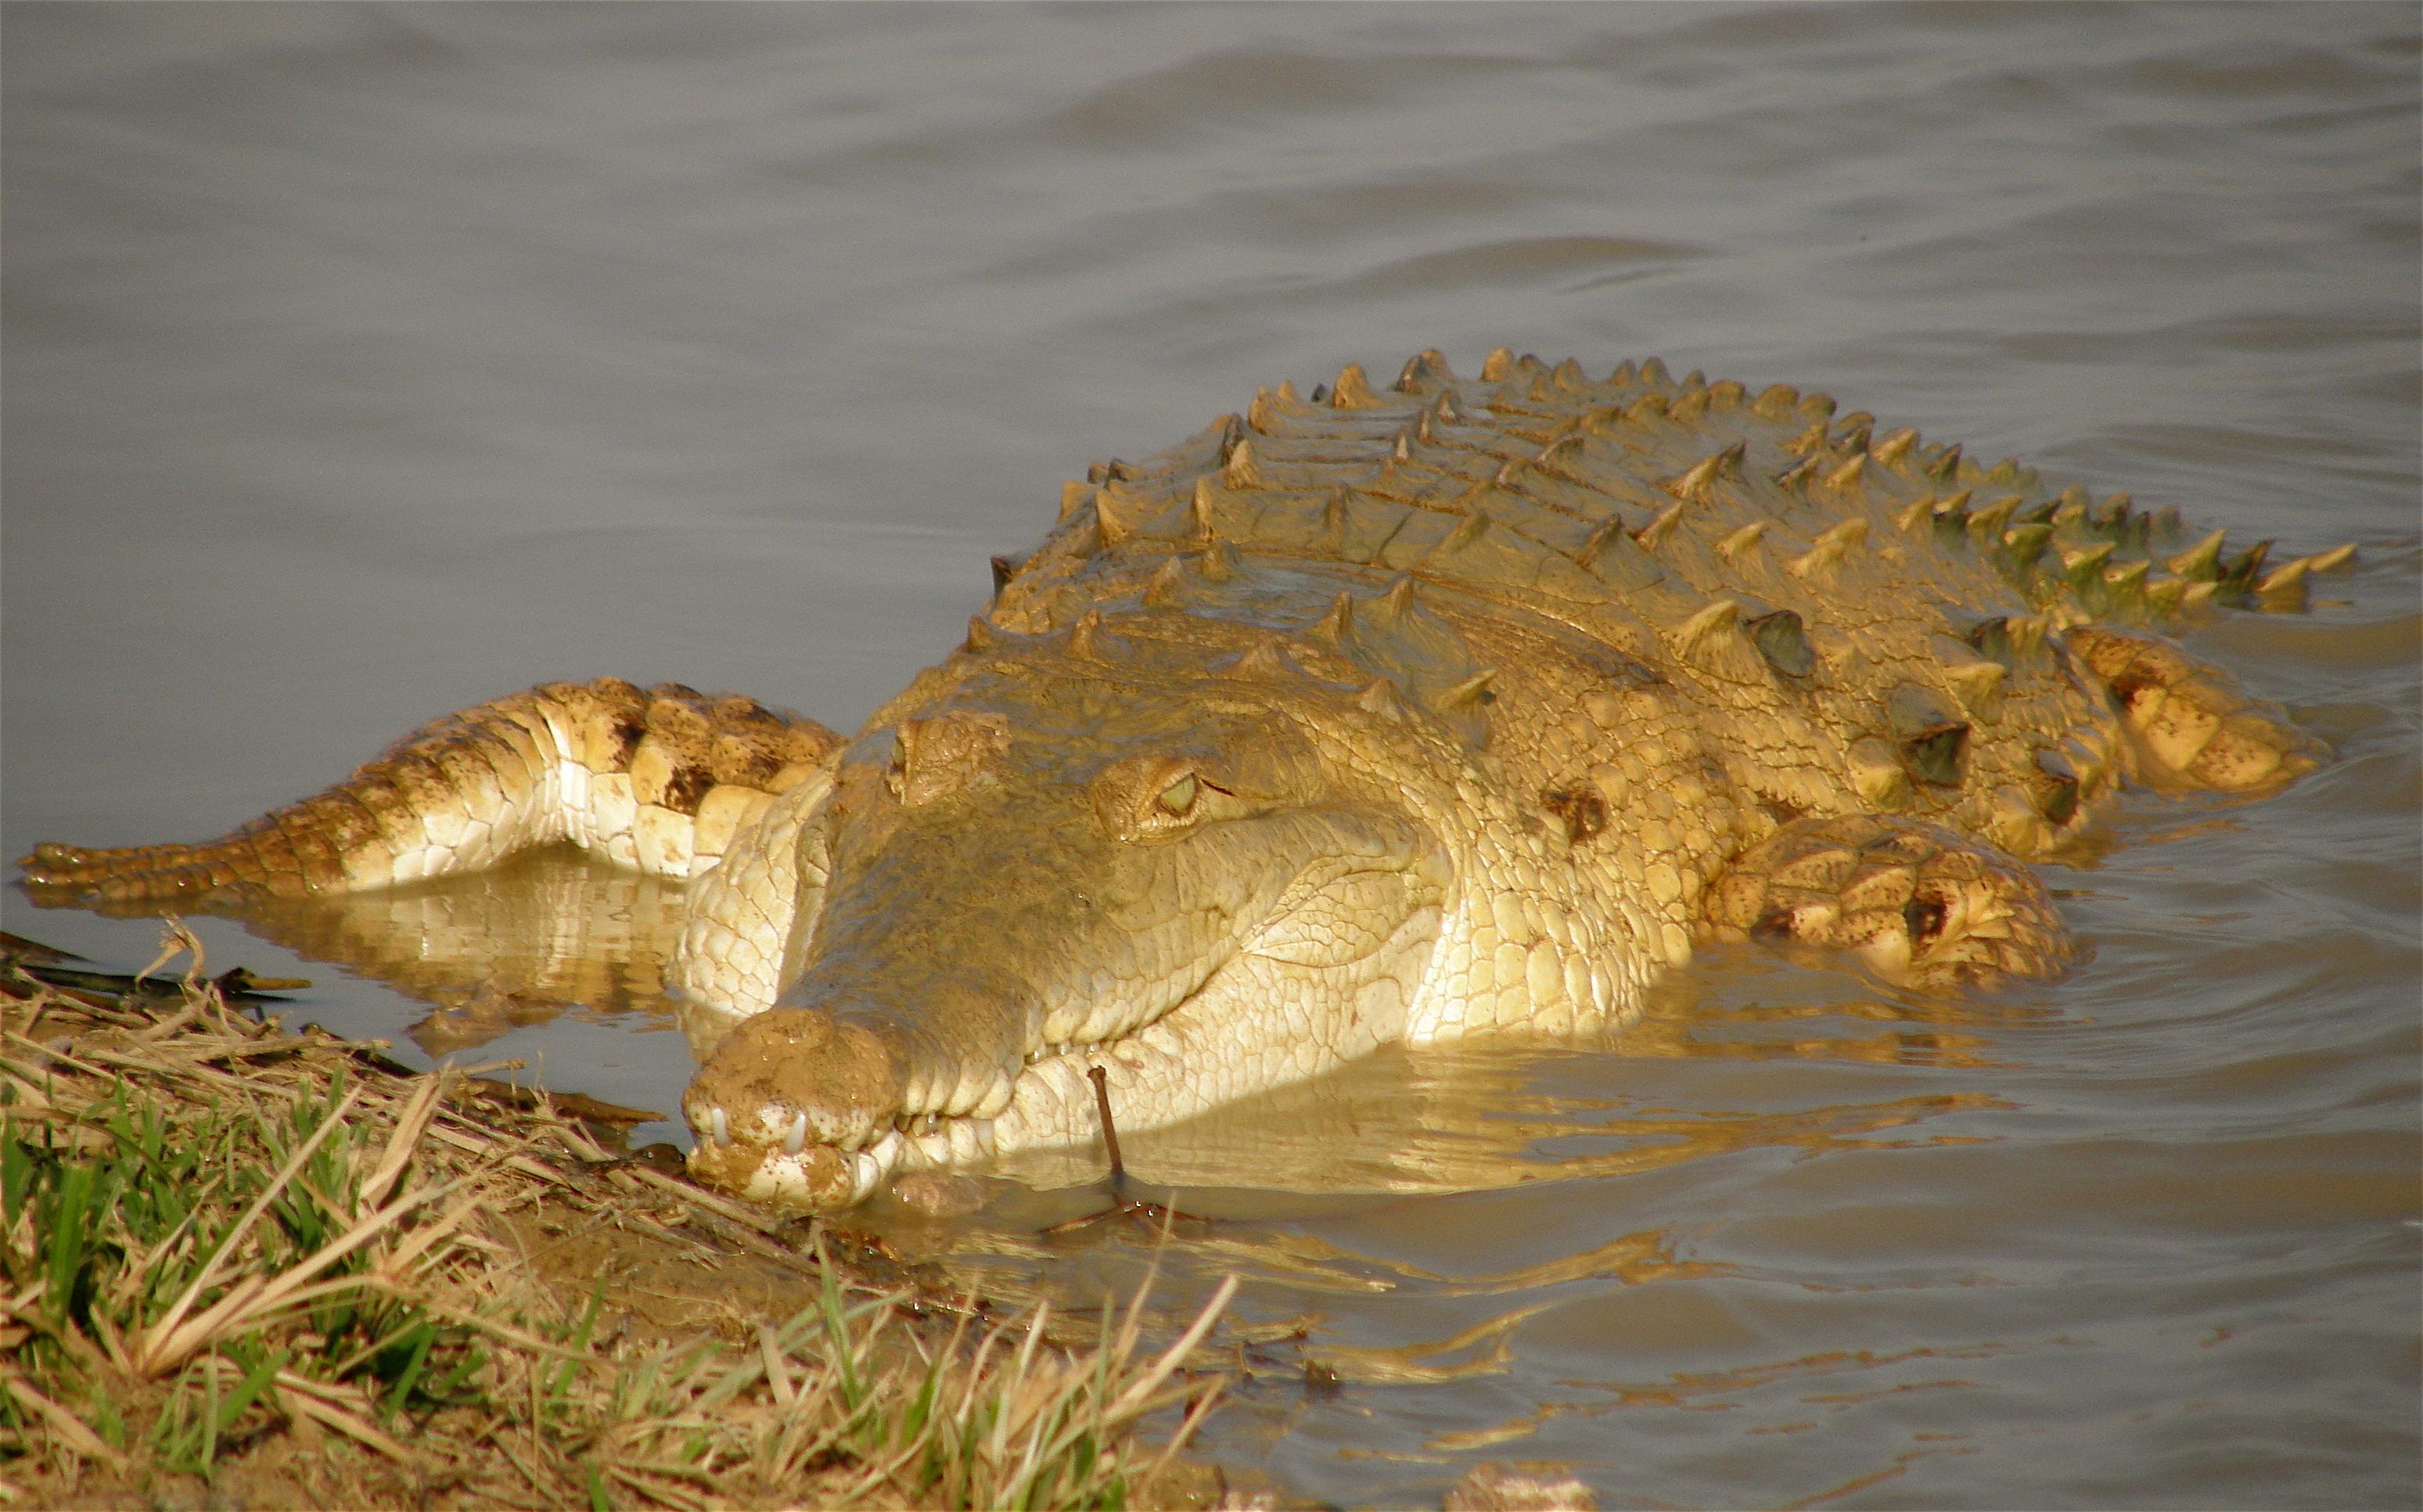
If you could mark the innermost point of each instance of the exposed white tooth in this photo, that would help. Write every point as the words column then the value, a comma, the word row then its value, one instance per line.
column 865, row 1171
column 718, row 1125
column 794, row 1139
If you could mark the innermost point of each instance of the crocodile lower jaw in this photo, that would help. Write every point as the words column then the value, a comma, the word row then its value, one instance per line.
column 1050, row 1103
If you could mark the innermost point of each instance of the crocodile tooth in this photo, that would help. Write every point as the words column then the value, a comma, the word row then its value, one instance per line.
column 795, row 1138
column 718, row 1125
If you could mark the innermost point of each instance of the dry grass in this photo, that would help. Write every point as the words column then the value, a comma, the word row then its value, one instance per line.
column 239, row 1265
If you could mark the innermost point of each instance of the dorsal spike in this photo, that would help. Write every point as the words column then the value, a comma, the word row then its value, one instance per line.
column 1471, row 693
column 1336, row 513
column 1978, row 686
column 1261, row 412
column 2163, row 595
column 1381, row 699
column 1085, row 636
column 1894, row 448
column 1653, row 371
column 1726, row 394
column 1705, row 473
column 1624, row 374
column 2069, row 505
column 2240, row 574
column 1265, row 661
column 1796, row 476
column 1731, row 546
column 2023, row 543
column 1423, row 371
column 1498, row 365
column 1244, row 469
column 1120, row 513
column 1947, row 466
column 1399, row 598
column 1203, row 510
column 1919, row 511
column 1933, row 737
column 2200, row 562
column 1775, row 401
column 1004, row 569
column 1990, row 521
column 2081, row 568
column 1163, row 589
column 2127, row 583
column 1817, row 406
column 1701, row 637
column 982, row 636
column 1648, row 406
column 1827, row 551
column 1403, row 449
column 1849, row 475
column 1653, row 534
column 1073, row 496
column 1219, row 560
column 1695, row 379
column 1467, row 533
column 1783, row 641
column 1287, row 394
column 1689, row 406
column 1353, row 390
column 1337, row 626
column 2323, row 561
column 1569, row 374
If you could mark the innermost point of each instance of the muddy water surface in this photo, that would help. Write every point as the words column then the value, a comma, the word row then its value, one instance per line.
column 364, row 363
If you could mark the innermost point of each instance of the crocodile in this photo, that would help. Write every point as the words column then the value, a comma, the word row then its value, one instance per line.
column 1360, row 717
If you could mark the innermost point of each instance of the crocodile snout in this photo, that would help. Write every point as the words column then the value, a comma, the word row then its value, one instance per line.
column 791, row 1077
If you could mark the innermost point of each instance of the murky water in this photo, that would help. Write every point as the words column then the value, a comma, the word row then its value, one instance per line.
column 365, row 363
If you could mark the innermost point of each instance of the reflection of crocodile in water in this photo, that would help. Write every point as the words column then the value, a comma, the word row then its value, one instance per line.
column 1362, row 717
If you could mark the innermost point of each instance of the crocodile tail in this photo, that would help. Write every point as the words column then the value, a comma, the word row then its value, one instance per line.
column 658, row 780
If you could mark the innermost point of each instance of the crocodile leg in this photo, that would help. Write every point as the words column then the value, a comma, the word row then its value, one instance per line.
column 1922, row 903
column 655, row 780
column 2190, row 720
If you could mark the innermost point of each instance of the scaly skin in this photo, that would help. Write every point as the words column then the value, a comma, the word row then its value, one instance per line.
column 1361, row 718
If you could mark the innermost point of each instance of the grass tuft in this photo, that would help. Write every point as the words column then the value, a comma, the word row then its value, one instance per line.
column 275, row 1267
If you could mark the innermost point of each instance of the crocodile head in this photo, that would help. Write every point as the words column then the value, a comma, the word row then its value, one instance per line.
column 1196, row 890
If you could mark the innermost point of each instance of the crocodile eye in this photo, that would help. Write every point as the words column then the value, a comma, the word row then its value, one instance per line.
column 1179, row 796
